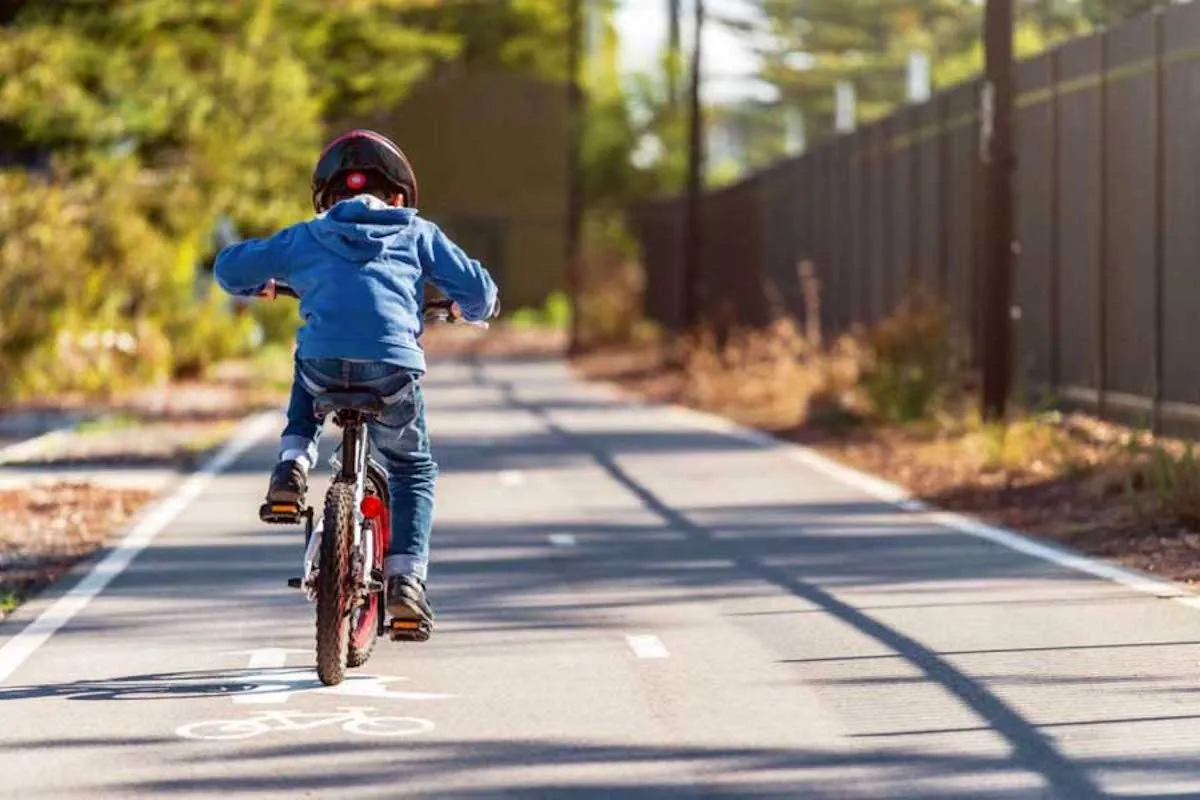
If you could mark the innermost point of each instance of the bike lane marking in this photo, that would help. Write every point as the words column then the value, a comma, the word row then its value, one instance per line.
column 512, row 477
column 161, row 514
column 276, row 685
column 274, row 688
column 353, row 719
column 647, row 646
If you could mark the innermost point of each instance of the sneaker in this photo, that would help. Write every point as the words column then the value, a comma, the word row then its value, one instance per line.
column 289, row 483
column 407, row 602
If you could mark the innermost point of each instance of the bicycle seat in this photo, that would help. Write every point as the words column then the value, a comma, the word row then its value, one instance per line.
column 362, row 402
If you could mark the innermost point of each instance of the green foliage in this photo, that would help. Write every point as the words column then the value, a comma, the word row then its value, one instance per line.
column 555, row 313
column 161, row 117
column 614, row 284
column 912, row 369
column 1029, row 40
column 1174, row 477
column 9, row 600
column 278, row 321
column 808, row 46
column 520, row 35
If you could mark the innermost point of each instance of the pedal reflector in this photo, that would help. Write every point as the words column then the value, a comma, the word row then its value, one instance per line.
column 406, row 624
column 286, row 509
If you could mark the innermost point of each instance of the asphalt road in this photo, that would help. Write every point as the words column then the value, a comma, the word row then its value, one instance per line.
column 631, row 604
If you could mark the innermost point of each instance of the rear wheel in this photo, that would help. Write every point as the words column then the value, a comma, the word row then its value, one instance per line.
column 334, row 588
column 364, row 627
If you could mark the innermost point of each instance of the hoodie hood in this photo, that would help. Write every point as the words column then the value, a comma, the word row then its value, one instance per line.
column 361, row 228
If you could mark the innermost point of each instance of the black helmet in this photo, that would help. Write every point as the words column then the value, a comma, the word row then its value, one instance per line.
column 361, row 159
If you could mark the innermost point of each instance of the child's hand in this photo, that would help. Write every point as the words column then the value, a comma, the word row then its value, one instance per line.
column 267, row 292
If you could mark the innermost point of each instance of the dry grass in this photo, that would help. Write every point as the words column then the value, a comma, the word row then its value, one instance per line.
column 45, row 530
column 892, row 401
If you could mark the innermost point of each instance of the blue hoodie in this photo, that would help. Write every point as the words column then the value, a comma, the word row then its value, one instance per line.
column 359, row 269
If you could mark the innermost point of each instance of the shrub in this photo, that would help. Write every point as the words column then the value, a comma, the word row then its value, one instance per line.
column 913, row 366
column 611, row 310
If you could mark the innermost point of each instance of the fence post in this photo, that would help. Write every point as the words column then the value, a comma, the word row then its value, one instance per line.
column 1160, row 208
column 693, row 293
column 915, row 215
column 885, row 190
column 998, row 159
column 943, row 184
column 575, row 176
column 1055, row 229
column 1100, row 352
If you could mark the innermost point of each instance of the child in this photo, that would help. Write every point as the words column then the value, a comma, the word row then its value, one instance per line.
column 359, row 269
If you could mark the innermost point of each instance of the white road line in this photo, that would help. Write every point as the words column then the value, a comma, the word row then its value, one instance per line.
column 31, row 447
column 562, row 539
column 896, row 495
column 512, row 477
column 160, row 515
column 647, row 646
column 268, row 657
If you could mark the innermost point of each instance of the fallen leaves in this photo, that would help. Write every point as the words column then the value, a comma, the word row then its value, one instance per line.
column 45, row 530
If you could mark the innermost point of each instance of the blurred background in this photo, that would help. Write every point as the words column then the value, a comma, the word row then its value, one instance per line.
column 138, row 136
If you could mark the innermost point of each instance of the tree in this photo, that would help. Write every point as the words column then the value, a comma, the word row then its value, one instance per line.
column 808, row 46
column 526, row 36
column 161, row 117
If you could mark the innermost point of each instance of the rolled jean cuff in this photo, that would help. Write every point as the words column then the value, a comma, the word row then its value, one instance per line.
column 293, row 442
column 406, row 565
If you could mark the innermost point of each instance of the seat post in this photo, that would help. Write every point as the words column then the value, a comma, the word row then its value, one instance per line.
column 351, row 425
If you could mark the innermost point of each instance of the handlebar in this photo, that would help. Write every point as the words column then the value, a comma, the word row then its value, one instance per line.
column 434, row 310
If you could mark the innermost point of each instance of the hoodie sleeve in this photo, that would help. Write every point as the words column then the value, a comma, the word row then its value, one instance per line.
column 462, row 278
column 243, row 268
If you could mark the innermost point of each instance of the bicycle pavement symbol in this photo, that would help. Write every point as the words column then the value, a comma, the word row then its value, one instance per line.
column 275, row 684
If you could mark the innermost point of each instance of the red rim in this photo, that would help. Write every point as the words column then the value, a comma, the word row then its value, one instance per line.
column 367, row 621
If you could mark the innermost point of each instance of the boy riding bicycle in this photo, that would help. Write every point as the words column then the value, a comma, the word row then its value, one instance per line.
column 359, row 268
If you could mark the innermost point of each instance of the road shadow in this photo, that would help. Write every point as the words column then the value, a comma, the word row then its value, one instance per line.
column 154, row 686
column 1032, row 749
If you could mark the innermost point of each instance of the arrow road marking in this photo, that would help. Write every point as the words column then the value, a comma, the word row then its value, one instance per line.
column 274, row 688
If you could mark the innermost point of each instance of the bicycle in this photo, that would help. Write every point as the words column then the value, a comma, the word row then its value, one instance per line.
column 344, row 552
column 353, row 719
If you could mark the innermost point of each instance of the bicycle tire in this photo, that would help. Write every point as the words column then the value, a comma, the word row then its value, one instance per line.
column 333, row 584
column 364, row 623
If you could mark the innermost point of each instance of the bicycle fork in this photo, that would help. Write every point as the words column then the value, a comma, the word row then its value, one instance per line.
column 352, row 468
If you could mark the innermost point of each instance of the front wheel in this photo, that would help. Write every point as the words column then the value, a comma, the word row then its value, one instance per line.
column 334, row 589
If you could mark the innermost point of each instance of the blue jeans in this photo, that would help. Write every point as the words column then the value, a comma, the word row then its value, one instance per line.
column 400, row 438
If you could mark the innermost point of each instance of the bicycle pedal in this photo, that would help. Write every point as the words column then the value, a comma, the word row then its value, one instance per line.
column 281, row 513
column 410, row 630
column 295, row 583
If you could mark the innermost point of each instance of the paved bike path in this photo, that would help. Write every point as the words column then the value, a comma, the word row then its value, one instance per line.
column 630, row 605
